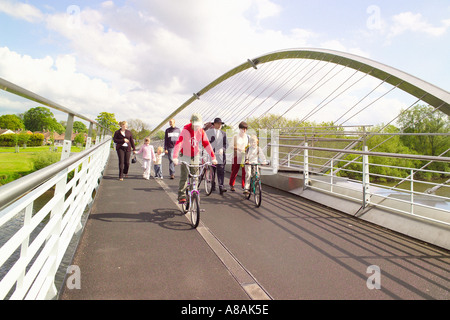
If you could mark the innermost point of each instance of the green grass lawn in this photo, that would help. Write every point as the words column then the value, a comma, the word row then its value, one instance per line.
column 15, row 165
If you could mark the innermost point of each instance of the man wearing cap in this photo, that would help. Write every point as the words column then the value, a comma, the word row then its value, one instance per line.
column 218, row 140
column 189, row 145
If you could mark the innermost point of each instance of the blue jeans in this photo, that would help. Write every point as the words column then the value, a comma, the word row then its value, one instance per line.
column 171, row 165
column 158, row 172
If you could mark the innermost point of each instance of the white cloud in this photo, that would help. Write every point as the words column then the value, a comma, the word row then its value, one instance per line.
column 21, row 11
column 415, row 22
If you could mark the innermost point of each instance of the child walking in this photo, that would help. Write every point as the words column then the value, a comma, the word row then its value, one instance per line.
column 148, row 155
column 157, row 165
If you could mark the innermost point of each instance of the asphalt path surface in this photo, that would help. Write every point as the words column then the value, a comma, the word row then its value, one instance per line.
column 138, row 245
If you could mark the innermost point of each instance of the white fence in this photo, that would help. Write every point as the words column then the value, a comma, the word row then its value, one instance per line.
column 32, row 255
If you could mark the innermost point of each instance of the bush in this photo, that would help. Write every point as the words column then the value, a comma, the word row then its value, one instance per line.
column 45, row 159
column 11, row 139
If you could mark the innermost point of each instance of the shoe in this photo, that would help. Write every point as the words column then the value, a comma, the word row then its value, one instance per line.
column 172, row 176
column 222, row 190
column 232, row 188
column 120, row 179
column 246, row 192
column 182, row 201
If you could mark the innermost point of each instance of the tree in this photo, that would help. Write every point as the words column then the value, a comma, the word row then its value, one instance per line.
column 423, row 119
column 79, row 127
column 11, row 122
column 39, row 119
column 108, row 120
column 139, row 129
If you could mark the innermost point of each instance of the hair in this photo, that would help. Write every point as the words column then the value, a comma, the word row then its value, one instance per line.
column 121, row 123
column 243, row 125
column 254, row 138
column 147, row 139
column 160, row 148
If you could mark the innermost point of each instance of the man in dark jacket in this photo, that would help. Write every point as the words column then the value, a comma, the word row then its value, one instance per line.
column 171, row 136
column 218, row 140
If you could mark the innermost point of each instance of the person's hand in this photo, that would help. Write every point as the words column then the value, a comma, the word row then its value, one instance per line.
column 126, row 140
column 214, row 162
column 167, row 151
column 175, row 161
column 134, row 152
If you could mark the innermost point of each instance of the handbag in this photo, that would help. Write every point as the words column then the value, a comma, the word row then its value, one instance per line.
column 133, row 160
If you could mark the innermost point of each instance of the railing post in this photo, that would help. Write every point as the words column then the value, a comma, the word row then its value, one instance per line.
column 68, row 138
column 366, row 179
column 331, row 175
column 274, row 140
column 412, row 190
column 89, row 137
column 306, row 167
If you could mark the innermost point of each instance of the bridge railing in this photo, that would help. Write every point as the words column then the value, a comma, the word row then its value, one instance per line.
column 358, row 180
column 32, row 253
column 34, row 234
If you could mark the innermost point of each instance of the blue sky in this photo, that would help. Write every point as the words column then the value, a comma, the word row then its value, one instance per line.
column 144, row 58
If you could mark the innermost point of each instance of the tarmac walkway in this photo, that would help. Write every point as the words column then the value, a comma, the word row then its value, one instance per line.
column 138, row 245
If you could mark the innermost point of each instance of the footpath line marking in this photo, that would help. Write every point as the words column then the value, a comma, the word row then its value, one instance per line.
column 245, row 279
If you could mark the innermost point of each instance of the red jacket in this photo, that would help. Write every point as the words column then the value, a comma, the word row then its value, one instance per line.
column 188, row 143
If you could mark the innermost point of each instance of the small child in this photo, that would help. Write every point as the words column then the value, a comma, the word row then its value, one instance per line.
column 253, row 155
column 148, row 155
column 157, row 165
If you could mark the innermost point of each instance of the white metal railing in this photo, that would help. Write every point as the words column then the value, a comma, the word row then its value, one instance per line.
column 421, row 204
column 35, row 251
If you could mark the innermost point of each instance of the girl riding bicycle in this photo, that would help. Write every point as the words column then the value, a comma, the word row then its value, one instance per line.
column 253, row 155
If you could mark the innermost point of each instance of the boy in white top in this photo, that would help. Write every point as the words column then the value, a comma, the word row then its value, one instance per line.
column 148, row 155
column 253, row 155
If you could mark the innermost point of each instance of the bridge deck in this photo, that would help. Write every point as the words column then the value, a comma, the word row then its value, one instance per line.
column 138, row 245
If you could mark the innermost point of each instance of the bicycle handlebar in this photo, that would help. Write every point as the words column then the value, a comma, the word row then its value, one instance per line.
column 200, row 166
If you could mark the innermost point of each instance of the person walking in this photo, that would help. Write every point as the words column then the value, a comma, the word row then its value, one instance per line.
column 188, row 144
column 240, row 143
column 170, row 138
column 123, row 138
column 148, row 155
column 218, row 140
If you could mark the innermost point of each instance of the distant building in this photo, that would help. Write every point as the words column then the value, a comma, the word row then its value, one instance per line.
column 58, row 138
column 5, row 131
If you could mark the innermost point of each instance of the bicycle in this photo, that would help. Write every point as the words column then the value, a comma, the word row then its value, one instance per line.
column 255, row 184
column 208, row 174
column 192, row 204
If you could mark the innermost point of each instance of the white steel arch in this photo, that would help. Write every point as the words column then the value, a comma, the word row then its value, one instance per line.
column 429, row 93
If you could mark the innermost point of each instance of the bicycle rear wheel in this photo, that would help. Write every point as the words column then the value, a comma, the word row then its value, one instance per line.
column 195, row 210
column 258, row 193
column 209, row 179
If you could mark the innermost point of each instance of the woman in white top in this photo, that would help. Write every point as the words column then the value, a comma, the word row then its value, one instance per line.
column 240, row 143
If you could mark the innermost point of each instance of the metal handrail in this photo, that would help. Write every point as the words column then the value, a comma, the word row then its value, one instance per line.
column 370, row 153
column 42, row 243
column 17, row 188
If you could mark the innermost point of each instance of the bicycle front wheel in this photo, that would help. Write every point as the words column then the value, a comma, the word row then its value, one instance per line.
column 195, row 210
column 185, row 206
column 258, row 193
column 209, row 179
